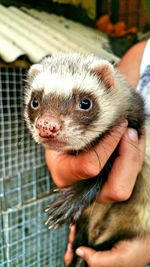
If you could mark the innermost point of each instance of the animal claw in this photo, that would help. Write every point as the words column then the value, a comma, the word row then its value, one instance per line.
column 69, row 204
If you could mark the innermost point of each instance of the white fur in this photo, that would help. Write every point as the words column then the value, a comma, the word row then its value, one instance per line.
column 63, row 84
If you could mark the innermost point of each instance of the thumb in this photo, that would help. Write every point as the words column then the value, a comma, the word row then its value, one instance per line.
column 86, row 254
column 99, row 258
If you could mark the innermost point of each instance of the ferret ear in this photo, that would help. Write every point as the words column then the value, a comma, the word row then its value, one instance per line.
column 105, row 72
column 34, row 70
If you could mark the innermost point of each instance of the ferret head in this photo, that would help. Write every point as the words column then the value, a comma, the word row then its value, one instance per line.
column 70, row 100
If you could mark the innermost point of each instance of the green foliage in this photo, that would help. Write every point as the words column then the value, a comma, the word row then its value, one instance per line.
column 147, row 8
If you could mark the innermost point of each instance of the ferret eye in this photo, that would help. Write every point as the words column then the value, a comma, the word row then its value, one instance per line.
column 85, row 104
column 34, row 103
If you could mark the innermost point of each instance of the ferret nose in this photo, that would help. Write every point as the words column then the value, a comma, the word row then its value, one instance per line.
column 48, row 126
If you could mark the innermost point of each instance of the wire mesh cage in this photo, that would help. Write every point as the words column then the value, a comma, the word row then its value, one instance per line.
column 24, row 186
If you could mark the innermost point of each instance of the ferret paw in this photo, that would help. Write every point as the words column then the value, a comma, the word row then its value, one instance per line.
column 66, row 207
column 71, row 201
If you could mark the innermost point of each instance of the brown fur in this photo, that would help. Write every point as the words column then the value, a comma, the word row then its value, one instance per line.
column 98, row 225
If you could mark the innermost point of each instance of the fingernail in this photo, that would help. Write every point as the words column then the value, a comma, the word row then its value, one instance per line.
column 80, row 252
column 132, row 134
column 122, row 125
column 70, row 225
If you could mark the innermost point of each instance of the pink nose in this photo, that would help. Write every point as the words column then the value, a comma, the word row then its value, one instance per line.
column 47, row 126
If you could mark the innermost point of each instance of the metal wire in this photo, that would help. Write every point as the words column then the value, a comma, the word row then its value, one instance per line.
column 24, row 186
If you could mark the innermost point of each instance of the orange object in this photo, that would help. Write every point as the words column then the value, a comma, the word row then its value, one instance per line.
column 102, row 23
column 118, row 29
column 110, row 28
column 132, row 30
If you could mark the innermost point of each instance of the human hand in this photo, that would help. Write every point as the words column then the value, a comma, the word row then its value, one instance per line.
column 132, row 253
column 67, row 169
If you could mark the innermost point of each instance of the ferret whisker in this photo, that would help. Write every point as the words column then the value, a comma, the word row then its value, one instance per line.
column 99, row 184
column 128, row 142
column 100, row 165
column 91, row 189
column 108, row 166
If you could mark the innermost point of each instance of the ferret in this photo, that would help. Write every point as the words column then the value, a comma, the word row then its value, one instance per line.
column 71, row 102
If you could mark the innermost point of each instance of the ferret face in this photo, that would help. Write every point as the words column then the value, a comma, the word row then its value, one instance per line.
column 69, row 101
column 59, row 122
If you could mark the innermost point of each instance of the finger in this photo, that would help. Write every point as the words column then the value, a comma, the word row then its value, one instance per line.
column 87, row 254
column 97, row 259
column 88, row 164
column 72, row 233
column 60, row 167
column 125, row 169
column 68, row 257
column 94, row 160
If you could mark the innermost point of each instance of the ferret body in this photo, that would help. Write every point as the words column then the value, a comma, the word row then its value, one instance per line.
column 71, row 101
